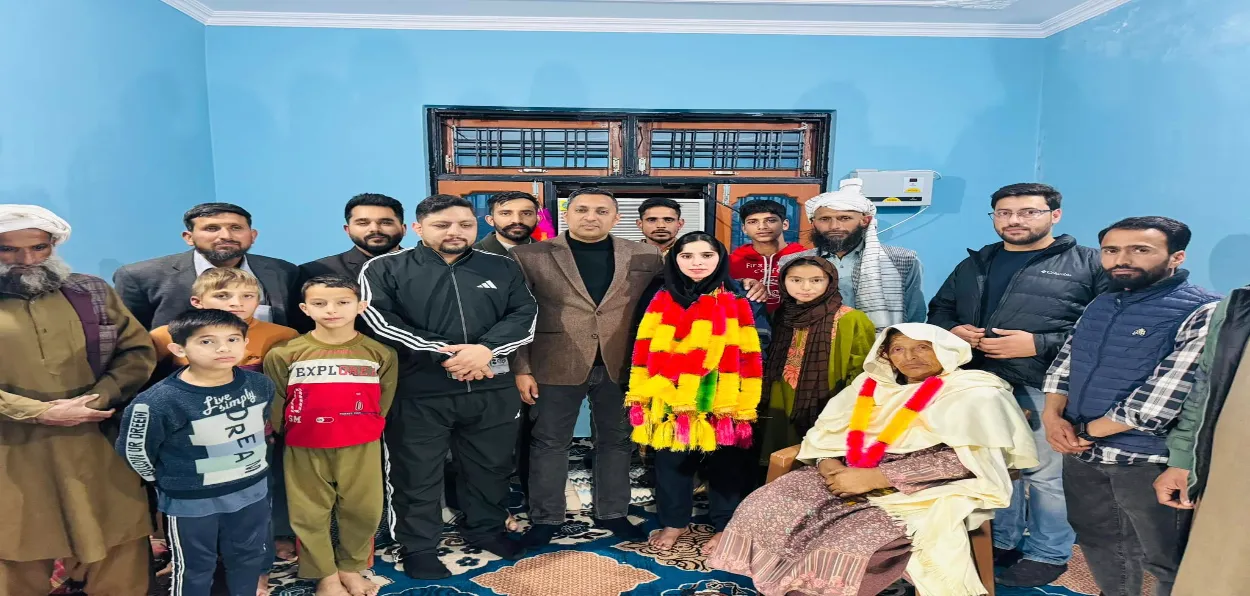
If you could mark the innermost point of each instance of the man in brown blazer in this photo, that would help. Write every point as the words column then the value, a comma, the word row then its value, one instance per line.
column 587, row 285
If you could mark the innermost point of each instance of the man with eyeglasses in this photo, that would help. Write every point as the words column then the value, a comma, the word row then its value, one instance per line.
column 1016, row 302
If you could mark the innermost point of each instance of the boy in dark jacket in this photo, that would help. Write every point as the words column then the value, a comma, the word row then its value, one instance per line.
column 1016, row 301
column 200, row 436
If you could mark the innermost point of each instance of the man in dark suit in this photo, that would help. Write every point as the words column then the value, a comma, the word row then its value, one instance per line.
column 220, row 234
column 588, row 285
column 513, row 215
column 375, row 224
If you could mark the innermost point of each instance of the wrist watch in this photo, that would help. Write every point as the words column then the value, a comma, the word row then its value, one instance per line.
column 1082, row 432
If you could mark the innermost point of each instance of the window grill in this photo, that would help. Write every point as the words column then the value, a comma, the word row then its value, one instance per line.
column 531, row 148
column 727, row 149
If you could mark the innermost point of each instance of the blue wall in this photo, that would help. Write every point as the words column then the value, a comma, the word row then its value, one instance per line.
column 304, row 118
column 104, row 119
column 1146, row 111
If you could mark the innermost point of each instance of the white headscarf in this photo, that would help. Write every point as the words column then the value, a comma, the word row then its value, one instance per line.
column 23, row 217
column 878, row 283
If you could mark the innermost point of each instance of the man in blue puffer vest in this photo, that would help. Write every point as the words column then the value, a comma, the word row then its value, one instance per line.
column 1113, row 393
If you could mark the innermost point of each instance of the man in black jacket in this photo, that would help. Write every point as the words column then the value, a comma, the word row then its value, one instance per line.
column 375, row 225
column 454, row 314
column 1016, row 301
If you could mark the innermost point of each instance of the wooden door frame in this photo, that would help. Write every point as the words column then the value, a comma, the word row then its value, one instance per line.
column 723, row 219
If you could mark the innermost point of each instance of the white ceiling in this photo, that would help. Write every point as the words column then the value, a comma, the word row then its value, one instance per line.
column 933, row 18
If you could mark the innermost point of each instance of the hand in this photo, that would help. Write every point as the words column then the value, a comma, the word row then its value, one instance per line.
column 72, row 412
column 756, row 292
column 1062, row 436
column 1010, row 344
column 1169, row 484
column 969, row 333
column 849, row 482
column 829, row 466
column 467, row 358
column 476, row 375
column 528, row 387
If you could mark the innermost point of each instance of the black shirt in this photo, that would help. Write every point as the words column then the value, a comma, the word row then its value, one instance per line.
column 1005, row 265
column 596, row 263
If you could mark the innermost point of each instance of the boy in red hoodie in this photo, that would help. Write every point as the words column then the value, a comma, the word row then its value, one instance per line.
column 334, row 387
column 764, row 222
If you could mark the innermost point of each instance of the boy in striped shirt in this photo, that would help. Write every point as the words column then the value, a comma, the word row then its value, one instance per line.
column 334, row 387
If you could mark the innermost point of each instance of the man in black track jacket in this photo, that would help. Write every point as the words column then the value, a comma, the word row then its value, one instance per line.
column 454, row 314
column 1016, row 301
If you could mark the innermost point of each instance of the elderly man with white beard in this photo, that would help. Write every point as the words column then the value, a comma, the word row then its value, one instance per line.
column 72, row 353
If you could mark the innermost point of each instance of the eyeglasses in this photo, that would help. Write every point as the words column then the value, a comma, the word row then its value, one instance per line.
column 1005, row 214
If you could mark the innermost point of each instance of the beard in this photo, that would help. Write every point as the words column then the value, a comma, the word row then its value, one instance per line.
column 517, row 232
column 380, row 245
column 222, row 255
column 1033, row 236
column 1141, row 278
column 36, row 280
column 826, row 244
column 454, row 250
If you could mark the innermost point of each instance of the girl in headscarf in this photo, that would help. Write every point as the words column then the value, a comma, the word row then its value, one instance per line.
column 901, row 464
column 695, row 384
column 819, row 347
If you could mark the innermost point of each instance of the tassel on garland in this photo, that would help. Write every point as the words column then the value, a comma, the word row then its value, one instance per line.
column 724, row 430
column 636, row 416
column 681, row 430
column 706, row 434
column 744, row 434
column 662, row 438
column 641, row 434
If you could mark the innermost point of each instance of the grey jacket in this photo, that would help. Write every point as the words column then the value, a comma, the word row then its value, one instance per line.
column 157, row 290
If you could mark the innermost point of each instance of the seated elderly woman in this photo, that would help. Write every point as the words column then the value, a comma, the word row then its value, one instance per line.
column 908, row 458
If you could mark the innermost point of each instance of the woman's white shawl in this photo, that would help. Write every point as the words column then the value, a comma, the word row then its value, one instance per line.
column 977, row 416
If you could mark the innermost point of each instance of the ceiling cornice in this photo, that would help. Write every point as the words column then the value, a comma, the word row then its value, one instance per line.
column 193, row 8
column 1079, row 14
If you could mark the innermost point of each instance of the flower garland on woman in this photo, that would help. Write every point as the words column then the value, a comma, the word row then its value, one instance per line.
column 695, row 383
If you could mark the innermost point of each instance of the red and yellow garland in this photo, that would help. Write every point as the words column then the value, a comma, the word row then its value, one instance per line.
column 856, row 457
column 696, row 375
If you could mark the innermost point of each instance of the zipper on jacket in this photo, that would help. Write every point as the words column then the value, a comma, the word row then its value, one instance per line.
column 464, row 329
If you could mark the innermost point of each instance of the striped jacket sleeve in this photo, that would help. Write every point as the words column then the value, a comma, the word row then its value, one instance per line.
column 385, row 314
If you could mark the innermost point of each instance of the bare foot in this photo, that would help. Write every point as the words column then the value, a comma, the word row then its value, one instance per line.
column 710, row 546
column 284, row 548
column 262, row 586
column 511, row 524
column 332, row 586
column 358, row 584
column 666, row 538
column 168, row 570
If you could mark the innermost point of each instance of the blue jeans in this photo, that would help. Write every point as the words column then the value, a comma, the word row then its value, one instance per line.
column 1050, row 537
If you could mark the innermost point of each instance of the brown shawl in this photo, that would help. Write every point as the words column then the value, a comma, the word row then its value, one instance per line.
column 817, row 316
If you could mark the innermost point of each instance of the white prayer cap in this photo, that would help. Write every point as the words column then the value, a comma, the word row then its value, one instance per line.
column 22, row 217
column 848, row 197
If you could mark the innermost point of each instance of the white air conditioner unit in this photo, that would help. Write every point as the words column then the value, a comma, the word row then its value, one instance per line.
column 694, row 211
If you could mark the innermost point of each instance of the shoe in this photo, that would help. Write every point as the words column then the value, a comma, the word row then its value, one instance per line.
column 501, row 547
column 424, row 566
column 1006, row 557
column 539, row 535
column 1030, row 574
column 621, row 527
